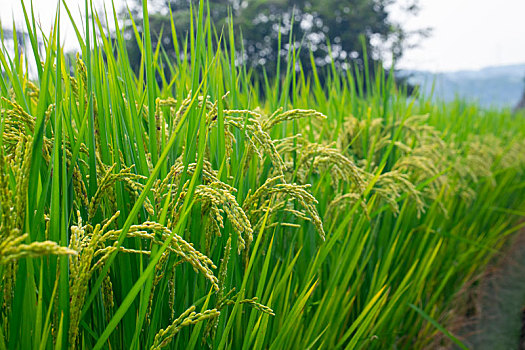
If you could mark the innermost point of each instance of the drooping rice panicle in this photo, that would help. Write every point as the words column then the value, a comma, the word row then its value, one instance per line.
column 188, row 317
column 361, row 211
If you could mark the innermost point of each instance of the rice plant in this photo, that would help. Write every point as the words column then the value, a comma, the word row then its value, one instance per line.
column 196, row 211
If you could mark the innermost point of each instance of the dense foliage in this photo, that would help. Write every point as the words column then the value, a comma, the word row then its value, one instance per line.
column 331, row 31
column 191, row 213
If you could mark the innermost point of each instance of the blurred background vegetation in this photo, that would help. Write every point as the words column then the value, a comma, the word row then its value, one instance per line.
column 321, row 31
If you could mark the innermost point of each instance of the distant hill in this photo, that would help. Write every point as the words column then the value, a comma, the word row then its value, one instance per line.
column 500, row 86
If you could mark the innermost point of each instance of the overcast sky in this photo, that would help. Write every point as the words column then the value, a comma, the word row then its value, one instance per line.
column 467, row 34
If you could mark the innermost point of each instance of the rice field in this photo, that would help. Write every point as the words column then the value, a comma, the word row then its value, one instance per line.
column 214, row 208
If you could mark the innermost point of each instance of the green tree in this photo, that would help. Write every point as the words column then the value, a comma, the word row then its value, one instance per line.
column 330, row 29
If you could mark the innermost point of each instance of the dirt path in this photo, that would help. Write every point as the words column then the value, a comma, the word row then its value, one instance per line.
column 498, row 318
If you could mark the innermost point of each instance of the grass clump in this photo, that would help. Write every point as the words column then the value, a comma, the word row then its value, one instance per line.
column 146, row 211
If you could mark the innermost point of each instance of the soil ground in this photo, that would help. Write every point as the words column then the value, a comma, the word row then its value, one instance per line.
column 497, row 318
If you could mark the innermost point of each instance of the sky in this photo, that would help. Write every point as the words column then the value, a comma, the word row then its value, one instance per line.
column 466, row 34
